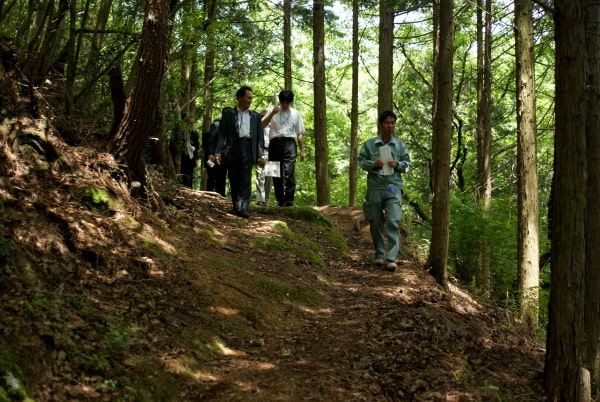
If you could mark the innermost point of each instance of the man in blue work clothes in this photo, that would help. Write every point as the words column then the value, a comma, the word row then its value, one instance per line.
column 385, row 158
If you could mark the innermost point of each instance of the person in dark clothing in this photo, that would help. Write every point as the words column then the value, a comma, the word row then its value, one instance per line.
column 240, row 145
column 189, row 151
column 217, row 174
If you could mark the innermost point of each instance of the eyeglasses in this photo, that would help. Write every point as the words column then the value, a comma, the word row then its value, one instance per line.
column 388, row 123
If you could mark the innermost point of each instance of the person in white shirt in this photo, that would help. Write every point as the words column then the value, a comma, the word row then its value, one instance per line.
column 263, row 182
column 287, row 129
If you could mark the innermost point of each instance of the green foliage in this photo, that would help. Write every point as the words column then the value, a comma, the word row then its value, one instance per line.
column 470, row 225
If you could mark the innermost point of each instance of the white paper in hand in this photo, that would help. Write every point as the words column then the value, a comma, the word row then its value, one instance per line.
column 386, row 155
column 272, row 169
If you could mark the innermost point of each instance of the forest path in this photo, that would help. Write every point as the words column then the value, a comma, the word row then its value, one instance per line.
column 376, row 336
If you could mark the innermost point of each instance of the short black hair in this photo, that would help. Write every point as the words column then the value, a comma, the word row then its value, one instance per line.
column 242, row 91
column 385, row 114
column 286, row 96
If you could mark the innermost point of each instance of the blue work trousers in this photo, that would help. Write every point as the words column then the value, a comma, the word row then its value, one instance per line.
column 383, row 210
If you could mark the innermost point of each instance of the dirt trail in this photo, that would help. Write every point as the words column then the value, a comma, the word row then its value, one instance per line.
column 377, row 336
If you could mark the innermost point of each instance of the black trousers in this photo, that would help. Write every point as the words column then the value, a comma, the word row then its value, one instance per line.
column 285, row 151
column 240, row 177
column 216, row 178
column 187, row 170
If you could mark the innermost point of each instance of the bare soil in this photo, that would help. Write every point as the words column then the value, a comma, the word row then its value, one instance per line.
column 106, row 297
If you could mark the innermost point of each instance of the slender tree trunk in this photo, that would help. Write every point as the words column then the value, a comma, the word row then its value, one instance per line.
column 353, row 176
column 484, row 138
column 32, row 30
column 287, row 44
column 527, row 177
column 565, row 350
column 50, row 48
column 138, row 119
column 209, row 62
column 320, row 107
column 71, row 59
column 210, row 8
column 592, row 235
column 386, row 52
column 442, row 136
column 189, row 85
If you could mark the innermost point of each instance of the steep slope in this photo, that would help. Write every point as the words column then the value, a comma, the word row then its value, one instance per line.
column 105, row 297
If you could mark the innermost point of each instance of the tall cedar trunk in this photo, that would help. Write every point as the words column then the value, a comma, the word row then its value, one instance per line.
column 565, row 339
column 321, row 146
column 386, row 52
column 527, row 177
column 442, row 136
column 209, row 62
column 484, row 137
column 71, row 59
column 138, row 119
column 592, row 235
column 353, row 177
column 209, row 75
column 189, row 86
column 287, row 43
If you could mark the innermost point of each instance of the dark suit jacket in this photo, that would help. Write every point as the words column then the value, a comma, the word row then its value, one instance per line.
column 228, row 136
column 209, row 139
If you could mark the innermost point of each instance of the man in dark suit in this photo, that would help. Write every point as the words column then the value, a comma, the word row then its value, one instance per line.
column 216, row 174
column 189, row 151
column 240, row 144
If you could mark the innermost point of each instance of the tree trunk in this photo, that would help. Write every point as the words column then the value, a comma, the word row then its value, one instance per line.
column 527, row 177
column 565, row 349
column 442, row 136
column 138, row 119
column 386, row 53
column 209, row 63
column 321, row 146
column 209, row 73
column 71, row 59
column 484, row 138
column 592, row 235
column 353, row 168
column 287, row 44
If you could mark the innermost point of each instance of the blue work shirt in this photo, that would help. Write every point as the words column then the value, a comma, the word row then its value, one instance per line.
column 369, row 153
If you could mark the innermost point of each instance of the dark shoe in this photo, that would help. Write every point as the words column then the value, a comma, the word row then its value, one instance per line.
column 288, row 204
column 261, row 203
column 243, row 214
